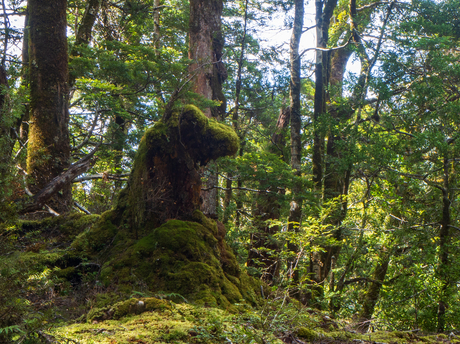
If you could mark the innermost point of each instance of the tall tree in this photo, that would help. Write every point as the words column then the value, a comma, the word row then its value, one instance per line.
column 208, row 71
column 48, row 148
column 296, row 123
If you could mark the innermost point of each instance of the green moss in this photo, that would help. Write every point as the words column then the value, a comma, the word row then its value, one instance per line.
column 97, row 237
column 127, row 307
column 307, row 334
column 183, row 258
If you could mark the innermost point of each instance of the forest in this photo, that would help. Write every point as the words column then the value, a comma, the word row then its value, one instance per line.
column 238, row 171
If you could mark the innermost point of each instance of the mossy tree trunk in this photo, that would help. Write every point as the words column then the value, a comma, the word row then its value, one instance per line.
column 49, row 148
column 205, row 51
column 165, row 182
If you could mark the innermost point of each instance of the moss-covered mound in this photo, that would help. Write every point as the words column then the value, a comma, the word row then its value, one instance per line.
column 189, row 259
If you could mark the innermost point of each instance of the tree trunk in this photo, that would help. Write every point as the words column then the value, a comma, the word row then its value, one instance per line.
column 320, row 266
column 295, row 213
column 6, row 142
column 84, row 33
column 165, row 183
column 444, row 242
column 373, row 292
column 205, row 51
column 264, row 247
column 49, row 148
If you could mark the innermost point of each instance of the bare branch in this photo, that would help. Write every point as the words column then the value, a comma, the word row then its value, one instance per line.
column 59, row 182
column 102, row 176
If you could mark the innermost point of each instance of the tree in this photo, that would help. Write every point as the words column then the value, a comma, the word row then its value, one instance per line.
column 48, row 148
column 208, row 71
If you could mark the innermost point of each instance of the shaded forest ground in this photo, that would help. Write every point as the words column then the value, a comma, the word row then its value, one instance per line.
column 52, row 292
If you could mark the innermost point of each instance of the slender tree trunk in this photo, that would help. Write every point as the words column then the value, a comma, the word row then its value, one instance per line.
column 6, row 141
column 319, row 268
column 84, row 33
column 295, row 213
column 444, row 242
column 156, row 26
column 264, row 247
column 373, row 292
column 49, row 148
column 236, row 108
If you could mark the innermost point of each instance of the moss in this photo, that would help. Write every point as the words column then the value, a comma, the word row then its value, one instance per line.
column 179, row 257
column 98, row 237
column 127, row 307
column 307, row 334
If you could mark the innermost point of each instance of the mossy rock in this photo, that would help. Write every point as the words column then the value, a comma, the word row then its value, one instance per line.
column 127, row 307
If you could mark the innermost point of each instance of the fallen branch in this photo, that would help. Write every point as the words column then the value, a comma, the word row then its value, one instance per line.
column 65, row 178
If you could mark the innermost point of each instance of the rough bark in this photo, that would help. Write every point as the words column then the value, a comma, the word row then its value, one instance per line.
column 165, row 182
column 205, row 50
column 49, row 148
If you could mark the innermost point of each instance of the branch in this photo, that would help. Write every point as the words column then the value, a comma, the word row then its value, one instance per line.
column 326, row 49
column 90, row 132
column 360, row 279
column 237, row 188
column 102, row 176
column 82, row 208
column 59, row 182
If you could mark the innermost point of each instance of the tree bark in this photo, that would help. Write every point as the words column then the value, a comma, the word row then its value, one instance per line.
column 373, row 292
column 295, row 213
column 444, row 242
column 49, row 148
column 205, row 51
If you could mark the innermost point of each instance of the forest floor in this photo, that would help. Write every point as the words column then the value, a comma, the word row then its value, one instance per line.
column 48, row 294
